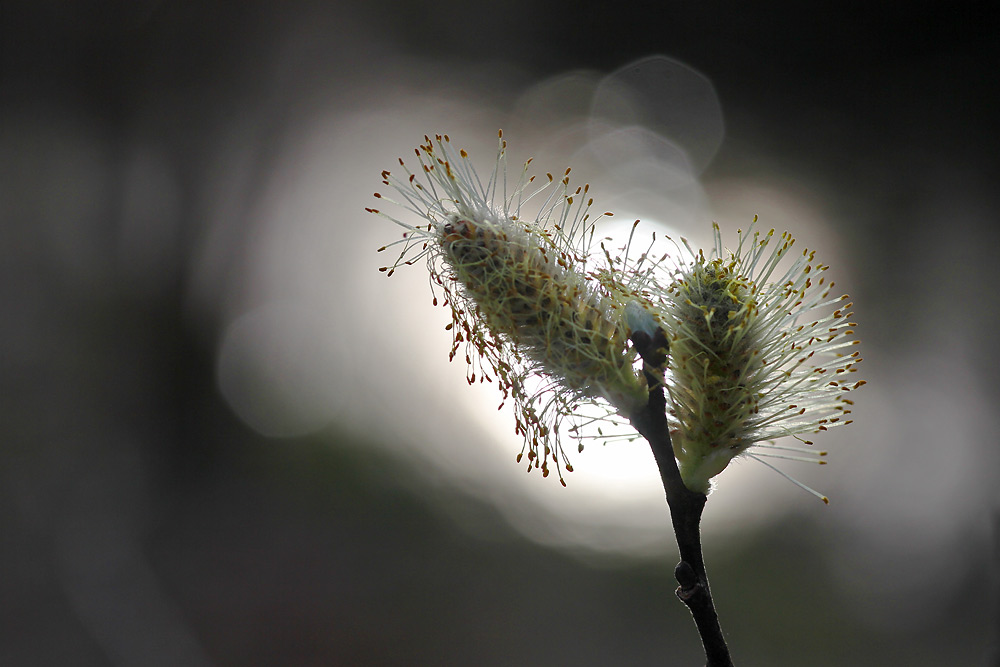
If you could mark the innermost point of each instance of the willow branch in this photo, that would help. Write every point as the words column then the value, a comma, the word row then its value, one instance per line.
column 686, row 506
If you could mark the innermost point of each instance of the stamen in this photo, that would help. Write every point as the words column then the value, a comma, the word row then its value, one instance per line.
column 792, row 479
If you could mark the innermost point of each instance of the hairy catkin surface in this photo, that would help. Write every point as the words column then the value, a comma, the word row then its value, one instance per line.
column 523, row 292
column 716, row 308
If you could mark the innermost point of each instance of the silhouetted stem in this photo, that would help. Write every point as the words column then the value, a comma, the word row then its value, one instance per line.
column 685, row 505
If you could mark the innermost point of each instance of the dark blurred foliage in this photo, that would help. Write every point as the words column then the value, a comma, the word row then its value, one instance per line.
column 143, row 524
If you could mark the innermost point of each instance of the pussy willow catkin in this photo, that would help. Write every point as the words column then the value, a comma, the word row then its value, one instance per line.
column 756, row 352
column 522, row 291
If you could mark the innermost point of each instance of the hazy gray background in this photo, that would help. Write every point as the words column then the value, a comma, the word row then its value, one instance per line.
column 229, row 440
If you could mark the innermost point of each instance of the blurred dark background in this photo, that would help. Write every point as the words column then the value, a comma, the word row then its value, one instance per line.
column 143, row 522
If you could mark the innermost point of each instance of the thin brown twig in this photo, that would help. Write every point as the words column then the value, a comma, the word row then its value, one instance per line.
column 686, row 506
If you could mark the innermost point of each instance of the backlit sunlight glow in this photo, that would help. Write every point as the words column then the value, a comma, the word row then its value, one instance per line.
column 320, row 337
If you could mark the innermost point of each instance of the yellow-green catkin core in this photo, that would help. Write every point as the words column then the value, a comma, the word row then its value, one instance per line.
column 524, row 288
column 712, row 358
